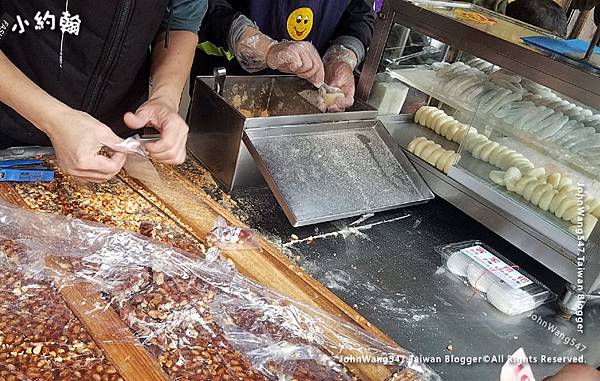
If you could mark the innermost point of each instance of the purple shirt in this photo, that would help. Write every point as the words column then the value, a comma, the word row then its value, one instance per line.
column 306, row 20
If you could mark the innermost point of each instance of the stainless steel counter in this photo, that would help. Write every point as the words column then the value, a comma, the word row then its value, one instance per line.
column 386, row 267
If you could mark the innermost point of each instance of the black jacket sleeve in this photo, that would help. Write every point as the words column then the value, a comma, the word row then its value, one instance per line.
column 584, row 4
column 357, row 21
column 217, row 22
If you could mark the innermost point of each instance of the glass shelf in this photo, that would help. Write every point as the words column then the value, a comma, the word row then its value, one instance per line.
column 425, row 80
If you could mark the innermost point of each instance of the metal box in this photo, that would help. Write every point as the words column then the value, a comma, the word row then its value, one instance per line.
column 217, row 123
column 320, row 166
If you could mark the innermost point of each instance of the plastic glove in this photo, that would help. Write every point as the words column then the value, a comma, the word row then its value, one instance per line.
column 255, row 51
column 250, row 47
column 300, row 58
column 339, row 72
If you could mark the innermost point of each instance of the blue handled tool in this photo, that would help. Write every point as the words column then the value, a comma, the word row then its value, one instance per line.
column 25, row 171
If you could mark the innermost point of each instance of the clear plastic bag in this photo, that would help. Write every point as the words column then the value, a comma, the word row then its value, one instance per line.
column 131, row 145
column 199, row 318
column 339, row 53
column 138, row 165
column 227, row 237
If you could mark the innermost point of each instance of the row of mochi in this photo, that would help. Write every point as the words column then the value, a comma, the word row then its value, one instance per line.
column 555, row 193
column 433, row 153
column 477, row 144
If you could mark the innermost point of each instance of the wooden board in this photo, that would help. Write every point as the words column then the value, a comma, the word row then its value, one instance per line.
column 330, row 302
column 108, row 331
column 103, row 325
column 8, row 193
column 266, row 265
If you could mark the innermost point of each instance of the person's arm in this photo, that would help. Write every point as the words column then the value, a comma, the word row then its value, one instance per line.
column 76, row 136
column 348, row 48
column 171, row 66
column 355, row 29
column 170, row 70
column 218, row 22
column 228, row 29
column 575, row 372
column 584, row 4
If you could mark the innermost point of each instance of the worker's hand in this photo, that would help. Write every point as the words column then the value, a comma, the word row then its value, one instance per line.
column 339, row 72
column 579, row 372
column 77, row 139
column 299, row 58
column 170, row 148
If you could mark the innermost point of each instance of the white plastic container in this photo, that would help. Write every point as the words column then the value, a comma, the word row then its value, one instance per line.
column 388, row 95
column 507, row 287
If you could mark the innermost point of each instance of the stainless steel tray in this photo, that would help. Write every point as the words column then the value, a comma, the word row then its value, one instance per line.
column 324, row 172
column 217, row 123
column 274, row 100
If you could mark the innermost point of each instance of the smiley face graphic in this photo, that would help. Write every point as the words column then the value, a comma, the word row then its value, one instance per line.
column 300, row 23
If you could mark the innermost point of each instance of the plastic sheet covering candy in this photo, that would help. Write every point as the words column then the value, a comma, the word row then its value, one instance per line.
column 131, row 145
column 199, row 319
column 40, row 338
column 227, row 237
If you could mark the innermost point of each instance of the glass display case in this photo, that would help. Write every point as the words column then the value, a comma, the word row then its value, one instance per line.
column 507, row 132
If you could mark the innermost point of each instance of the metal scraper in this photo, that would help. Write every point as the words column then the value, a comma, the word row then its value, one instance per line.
column 323, row 97
column 329, row 89
column 18, row 153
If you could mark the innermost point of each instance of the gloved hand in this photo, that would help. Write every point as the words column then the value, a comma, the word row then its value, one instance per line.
column 340, row 63
column 300, row 58
column 255, row 51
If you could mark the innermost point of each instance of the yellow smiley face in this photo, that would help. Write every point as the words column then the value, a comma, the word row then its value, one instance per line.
column 300, row 23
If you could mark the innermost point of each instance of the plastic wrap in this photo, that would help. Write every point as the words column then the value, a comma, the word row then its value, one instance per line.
column 251, row 48
column 199, row 318
column 339, row 53
column 131, row 145
column 137, row 165
column 255, row 51
column 226, row 237
column 112, row 203
column 40, row 338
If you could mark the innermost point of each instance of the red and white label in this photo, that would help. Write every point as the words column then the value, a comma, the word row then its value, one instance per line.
column 498, row 267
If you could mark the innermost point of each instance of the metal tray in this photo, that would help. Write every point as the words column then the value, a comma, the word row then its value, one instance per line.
column 274, row 100
column 217, row 123
column 324, row 172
